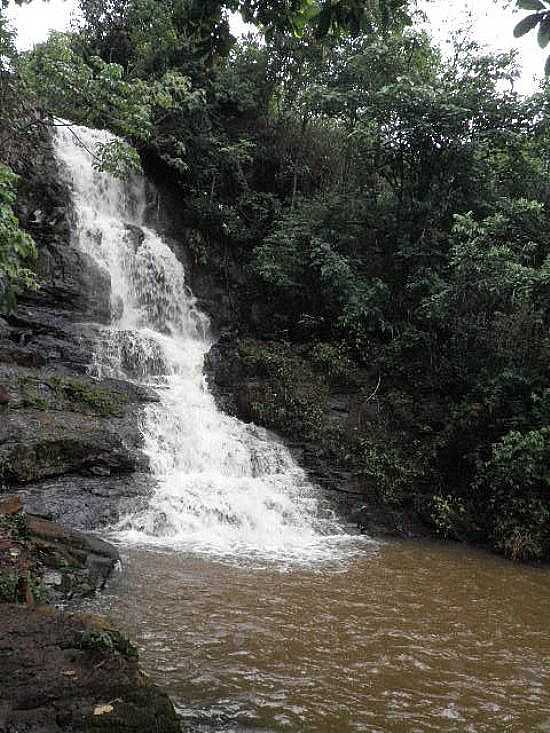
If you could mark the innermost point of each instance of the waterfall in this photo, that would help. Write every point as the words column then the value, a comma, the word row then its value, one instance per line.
column 221, row 485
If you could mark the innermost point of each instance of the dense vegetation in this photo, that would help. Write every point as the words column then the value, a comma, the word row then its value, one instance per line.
column 372, row 209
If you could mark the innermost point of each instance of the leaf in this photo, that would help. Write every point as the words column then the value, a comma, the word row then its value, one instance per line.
column 527, row 24
column 530, row 5
column 544, row 32
column 547, row 67
column 102, row 709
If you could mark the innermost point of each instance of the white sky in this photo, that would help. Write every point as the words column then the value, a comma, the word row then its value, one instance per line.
column 491, row 21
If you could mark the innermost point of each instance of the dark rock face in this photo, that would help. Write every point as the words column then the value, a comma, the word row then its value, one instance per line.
column 69, row 279
column 73, row 674
column 34, row 446
column 235, row 390
column 64, row 436
column 71, row 444
column 238, row 390
column 87, row 502
column 212, row 279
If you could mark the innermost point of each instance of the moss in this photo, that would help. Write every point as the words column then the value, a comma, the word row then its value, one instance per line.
column 70, row 393
column 293, row 396
column 14, row 526
column 107, row 640
column 9, row 583
column 101, row 401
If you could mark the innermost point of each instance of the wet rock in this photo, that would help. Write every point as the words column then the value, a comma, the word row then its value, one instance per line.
column 87, row 503
column 360, row 515
column 66, row 673
column 71, row 277
column 91, row 559
column 10, row 353
column 41, row 560
column 52, row 578
column 4, row 329
column 35, row 444
column 236, row 389
column 72, row 445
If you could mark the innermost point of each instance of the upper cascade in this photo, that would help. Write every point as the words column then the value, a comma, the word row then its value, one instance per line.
column 221, row 486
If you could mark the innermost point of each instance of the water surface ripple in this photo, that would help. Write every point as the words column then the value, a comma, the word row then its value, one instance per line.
column 402, row 636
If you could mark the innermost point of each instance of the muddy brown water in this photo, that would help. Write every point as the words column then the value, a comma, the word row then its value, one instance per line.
column 400, row 637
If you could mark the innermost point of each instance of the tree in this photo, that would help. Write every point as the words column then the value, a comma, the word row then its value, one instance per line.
column 17, row 249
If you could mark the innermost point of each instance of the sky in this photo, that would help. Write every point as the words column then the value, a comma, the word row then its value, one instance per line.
column 491, row 22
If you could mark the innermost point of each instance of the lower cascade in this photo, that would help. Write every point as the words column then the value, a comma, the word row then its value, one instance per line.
column 221, row 486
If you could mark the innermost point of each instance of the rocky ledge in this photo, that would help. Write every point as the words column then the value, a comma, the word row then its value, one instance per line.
column 41, row 561
column 73, row 674
column 70, row 445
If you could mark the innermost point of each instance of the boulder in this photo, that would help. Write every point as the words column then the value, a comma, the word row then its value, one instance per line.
column 61, row 548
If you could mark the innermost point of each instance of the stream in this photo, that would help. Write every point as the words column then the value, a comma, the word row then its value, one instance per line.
column 250, row 601
column 403, row 636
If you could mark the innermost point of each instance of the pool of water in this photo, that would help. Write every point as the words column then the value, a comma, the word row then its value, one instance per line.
column 396, row 636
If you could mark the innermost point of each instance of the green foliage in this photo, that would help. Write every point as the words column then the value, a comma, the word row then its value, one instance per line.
column 107, row 640
column 87, row 91
column 118, row 159
column 447, row 513
column 516, row 481
column 292, row 398
column 326, row 16
column 393, row 471
column 90, row 91
column 9, row 586
column 17, row 248
column 335, row 361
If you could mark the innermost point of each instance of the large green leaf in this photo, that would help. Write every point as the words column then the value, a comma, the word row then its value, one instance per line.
column 544, row 32
column 530, row 5
column 527, row 24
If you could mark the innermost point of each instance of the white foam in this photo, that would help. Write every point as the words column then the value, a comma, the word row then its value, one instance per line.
column 222, row 486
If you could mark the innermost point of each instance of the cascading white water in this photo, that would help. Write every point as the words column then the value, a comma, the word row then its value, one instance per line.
column 222, row 486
